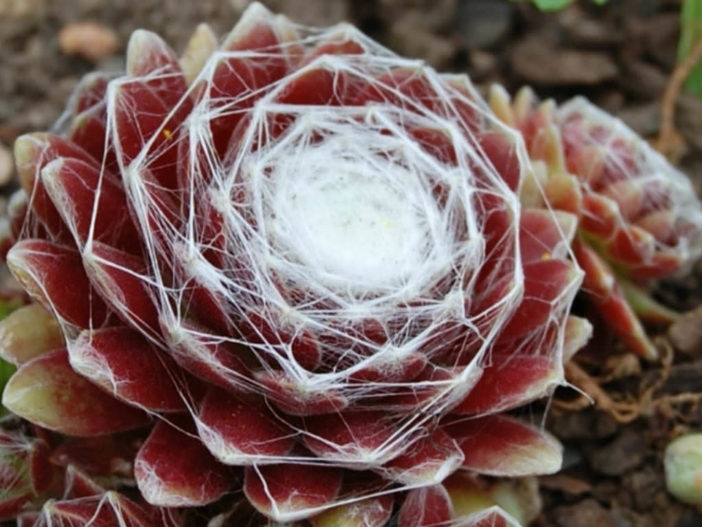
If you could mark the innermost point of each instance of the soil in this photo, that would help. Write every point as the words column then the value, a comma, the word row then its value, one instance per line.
column 620, row 56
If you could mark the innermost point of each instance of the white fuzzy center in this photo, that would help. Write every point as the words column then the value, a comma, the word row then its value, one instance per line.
column 349, row 222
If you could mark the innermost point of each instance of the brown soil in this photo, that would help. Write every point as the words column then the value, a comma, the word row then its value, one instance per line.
column 620, row 56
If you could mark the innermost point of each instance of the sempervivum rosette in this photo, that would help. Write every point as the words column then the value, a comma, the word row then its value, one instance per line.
column 304, row 259
column 640, row 218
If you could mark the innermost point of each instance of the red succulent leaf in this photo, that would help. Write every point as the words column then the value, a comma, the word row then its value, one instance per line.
column 32, row 153
column 107, row 510
column 241, row 431
column 545, row 282
column 78, row 484
column 90, row 202
column 296, row 398
column 257, row 31
column 362, row 438
column 288, row 492
column 174, row 469
column 370, row 512
column 120, row 277
column 426, row 507
column 509, row 380
column 498, row 445
column 105, row 455
column 55, row 276
column 124, row 363
column 601, row 287
column 426, row 461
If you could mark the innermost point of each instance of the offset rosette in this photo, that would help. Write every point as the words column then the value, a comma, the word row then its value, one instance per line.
column 301, row 255
column 639, row 217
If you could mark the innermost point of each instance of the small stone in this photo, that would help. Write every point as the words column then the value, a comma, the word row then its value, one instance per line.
column 643, row 486
column 623, row 454
column 409, row 35
column 538, row 59
column 583, row 425
column 7, row 165
column 484, row 23
column 566, row 484
column 686, row 332
column 483, row 64
column 582, row 30
column 89, row 40
column 587, row 513
column 643, row 79
column 644, row 119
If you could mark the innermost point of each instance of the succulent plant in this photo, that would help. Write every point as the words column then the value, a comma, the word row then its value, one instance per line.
column 298, row 265
column 683, row 465
column 639, row 217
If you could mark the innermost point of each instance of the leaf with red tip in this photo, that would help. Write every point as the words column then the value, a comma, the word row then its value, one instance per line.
column 107, row 510
column 295, row 398
column 78, row 484
column 600, row 286
column 121, row 278
column 436, row 142
column 431, row 387
column 263, row 329
column 47, row 392
column 186, row 476
column 345, row 43
column 600, row 216
column 289, row 492
column 510, row 380
column 405, row 88
column 390, row 368
column 142, row 126
column 370, row 512
column 493, row 517
column 501, row 151
column 149, row 107
column 208, row 357
column 27, row 519
column 240, row 431
column 545, row 234
column 631, row 246
column 243, row 77
column 124, row 363
column 88, row 130
column 106, row 455
column 54, row 275
column 315, row 86
column 355, row 438
column 498, row 445
column 426, row 507
column 73, row 186
column 25, row 471
column 429, row 460
column 545, row 282
column 32, row 153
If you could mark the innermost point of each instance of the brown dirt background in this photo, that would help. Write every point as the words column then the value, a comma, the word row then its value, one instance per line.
column 620, row 56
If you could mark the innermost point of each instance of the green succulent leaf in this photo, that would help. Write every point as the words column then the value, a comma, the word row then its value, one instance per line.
column 6, row 371
column 690, row 34
column 555, row 5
